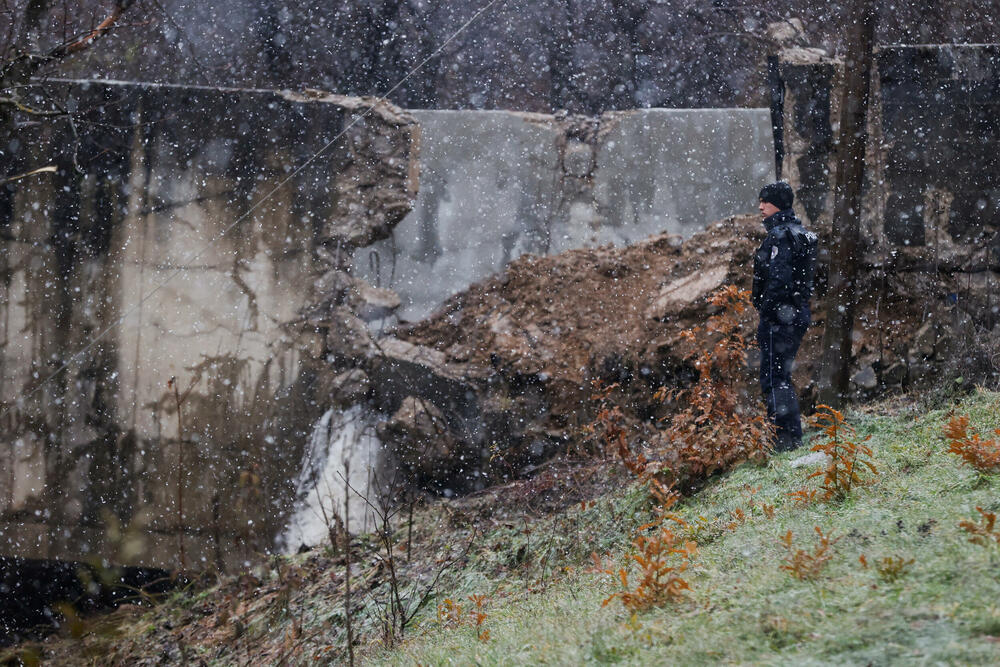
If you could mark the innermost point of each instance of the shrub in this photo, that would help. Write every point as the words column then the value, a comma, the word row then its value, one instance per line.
column 661, row 556
column 609, row 426
column 716, row 430
column 848, row 460
column 807, row 565
column 983, row 455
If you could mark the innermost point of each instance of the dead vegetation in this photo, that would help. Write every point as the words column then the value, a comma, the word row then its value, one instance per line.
column 808, row 564
column 848, row 461
column 981, row 454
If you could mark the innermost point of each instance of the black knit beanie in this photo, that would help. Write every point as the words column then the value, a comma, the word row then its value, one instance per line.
column 780, row 194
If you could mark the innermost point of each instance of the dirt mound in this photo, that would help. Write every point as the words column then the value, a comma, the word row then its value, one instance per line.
column 533, row 338
column 554, row 314
column 547, row 326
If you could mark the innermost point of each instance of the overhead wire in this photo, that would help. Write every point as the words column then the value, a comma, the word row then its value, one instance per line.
column 190, row 260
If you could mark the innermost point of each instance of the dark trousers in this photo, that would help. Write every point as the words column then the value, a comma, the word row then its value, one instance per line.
column 778, row 346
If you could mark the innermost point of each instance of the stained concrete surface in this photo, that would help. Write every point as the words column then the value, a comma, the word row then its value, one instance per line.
column 174, row 438
column 101, row 461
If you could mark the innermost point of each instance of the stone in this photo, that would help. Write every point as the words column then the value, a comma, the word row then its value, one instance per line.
column 375, row 303
column 811, row 459
column 401, row 369
column 348, row 338
column 787, row 32
column 418, row 435
column 924, row 340
column 678, row 295
column 337, row 287
column 865, row 378
column 350, row 387
column 894, row 375
column 333, row 287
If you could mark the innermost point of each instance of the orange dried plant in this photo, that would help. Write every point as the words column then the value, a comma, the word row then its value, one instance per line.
column 803, row 496
column 738, row 516
column 983, row 455
column 983, row 533
column 716, row 429
column 479, row 617
column 450, row 614
column 609, row 426
column 848, row 461
column 661, row 557
column 807, row 565
column 891, row 568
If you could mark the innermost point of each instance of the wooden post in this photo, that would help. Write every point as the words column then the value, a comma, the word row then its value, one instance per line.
column 845, row 241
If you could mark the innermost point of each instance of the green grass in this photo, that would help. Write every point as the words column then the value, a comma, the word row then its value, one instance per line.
column 743, row 608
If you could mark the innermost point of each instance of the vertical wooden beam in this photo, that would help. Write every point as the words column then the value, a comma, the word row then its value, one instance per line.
column 845, row 242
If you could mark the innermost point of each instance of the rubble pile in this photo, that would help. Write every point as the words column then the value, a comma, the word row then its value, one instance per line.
column 501, row 376
column 532, row 339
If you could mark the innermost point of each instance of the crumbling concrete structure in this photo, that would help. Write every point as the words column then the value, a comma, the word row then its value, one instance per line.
column 170, row 440
column 215, row 331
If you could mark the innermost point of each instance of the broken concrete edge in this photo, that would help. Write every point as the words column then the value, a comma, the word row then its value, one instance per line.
column 380, row 106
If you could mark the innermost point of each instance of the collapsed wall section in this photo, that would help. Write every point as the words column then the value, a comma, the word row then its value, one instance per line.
column 169, row 438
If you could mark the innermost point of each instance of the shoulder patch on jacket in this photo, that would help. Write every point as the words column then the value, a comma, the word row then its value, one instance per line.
column 774, row 251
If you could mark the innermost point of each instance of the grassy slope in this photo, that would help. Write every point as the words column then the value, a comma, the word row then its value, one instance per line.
column 743, row 608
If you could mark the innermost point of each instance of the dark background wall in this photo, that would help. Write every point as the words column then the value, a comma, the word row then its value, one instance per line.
column 941, row 126
column 932, row 171
column 585, row 56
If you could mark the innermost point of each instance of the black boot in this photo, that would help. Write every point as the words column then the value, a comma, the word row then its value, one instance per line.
column 786, row 442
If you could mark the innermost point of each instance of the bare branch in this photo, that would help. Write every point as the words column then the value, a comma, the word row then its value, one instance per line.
column 80, row 44
column 21, row 68
column 40, row 170
column 22, row 107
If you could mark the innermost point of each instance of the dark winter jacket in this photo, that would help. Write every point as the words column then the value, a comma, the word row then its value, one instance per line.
column 783, row 269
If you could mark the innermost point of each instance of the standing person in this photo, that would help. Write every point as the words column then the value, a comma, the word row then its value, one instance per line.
column 783, row 270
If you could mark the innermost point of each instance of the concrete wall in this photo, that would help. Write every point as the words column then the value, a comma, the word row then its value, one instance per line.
column 98, row 462
column 250, row 328
column 495, row 185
